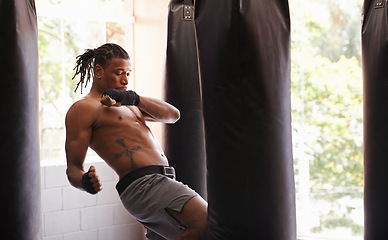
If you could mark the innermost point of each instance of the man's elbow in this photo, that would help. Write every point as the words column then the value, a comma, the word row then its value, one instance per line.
column 171, row 116
column 71, row 177
column 68, row 174
column 176, row 116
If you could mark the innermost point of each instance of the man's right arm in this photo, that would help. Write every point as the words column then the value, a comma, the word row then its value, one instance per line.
column 78, row 134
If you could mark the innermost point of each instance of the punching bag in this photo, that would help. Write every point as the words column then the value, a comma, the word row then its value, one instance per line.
column 184, row 141
column 19, row 154
column 244, row 56
column 375, row 76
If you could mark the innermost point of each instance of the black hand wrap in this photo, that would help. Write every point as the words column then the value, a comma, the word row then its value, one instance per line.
column 86, row 184
column 125, row 97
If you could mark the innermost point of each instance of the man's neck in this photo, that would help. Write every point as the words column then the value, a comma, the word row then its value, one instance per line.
column 95, row 91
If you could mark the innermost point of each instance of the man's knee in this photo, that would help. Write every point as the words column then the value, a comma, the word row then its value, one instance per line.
column 196, row 210
column 194, row 217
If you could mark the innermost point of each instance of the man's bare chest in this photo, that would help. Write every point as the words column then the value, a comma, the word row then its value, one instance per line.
column 117, row 116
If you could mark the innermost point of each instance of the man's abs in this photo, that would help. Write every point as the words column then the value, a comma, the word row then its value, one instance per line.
column 126, row 143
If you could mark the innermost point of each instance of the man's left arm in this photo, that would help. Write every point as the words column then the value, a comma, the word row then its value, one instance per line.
column 156, row 110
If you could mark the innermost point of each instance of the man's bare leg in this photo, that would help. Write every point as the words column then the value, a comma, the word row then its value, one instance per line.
column 194, row 217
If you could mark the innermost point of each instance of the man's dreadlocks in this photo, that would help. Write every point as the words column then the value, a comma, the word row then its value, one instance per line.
column 86, row 62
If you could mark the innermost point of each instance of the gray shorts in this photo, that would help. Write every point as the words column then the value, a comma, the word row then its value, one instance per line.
column 147, row 199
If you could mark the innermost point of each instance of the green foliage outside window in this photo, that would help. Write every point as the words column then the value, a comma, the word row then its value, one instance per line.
column 65, row 30
column 327, row 100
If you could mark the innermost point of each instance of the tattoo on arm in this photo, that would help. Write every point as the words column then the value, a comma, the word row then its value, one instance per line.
column 128, row 152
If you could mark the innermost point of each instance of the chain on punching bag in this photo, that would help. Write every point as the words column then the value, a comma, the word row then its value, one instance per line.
column 375, row 75
column 184, row 141
column 244, row 55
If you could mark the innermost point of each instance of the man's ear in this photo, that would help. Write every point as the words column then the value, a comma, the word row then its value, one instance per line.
column 98, row 71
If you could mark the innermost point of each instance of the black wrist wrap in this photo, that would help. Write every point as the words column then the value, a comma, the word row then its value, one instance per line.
column 125, row 97
column 86, row 184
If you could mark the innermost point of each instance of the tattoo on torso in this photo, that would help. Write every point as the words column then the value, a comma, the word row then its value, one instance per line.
column 128, row 152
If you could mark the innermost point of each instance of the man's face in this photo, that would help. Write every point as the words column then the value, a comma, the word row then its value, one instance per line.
column 116, row 74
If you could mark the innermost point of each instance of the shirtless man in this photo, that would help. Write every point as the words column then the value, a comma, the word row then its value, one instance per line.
column 112, row 121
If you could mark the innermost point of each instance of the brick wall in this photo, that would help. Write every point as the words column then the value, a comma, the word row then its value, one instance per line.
column 71, row 214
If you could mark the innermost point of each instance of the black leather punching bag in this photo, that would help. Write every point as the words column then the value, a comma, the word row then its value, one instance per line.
column 184, row 141
column 375, row 74
column 19, row 149
column 244, row 53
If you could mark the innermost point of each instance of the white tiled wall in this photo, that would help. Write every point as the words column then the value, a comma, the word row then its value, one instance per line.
column 71, row 214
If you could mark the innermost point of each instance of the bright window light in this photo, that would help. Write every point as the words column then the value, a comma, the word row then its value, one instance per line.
column 65, row 30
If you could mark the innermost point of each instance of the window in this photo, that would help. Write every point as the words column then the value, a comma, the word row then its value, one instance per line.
column 65, row 30
column 326, row 93
column 327, row 121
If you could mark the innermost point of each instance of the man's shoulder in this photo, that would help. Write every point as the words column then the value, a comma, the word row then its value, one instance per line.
column 86, row 105
column 86, row 102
